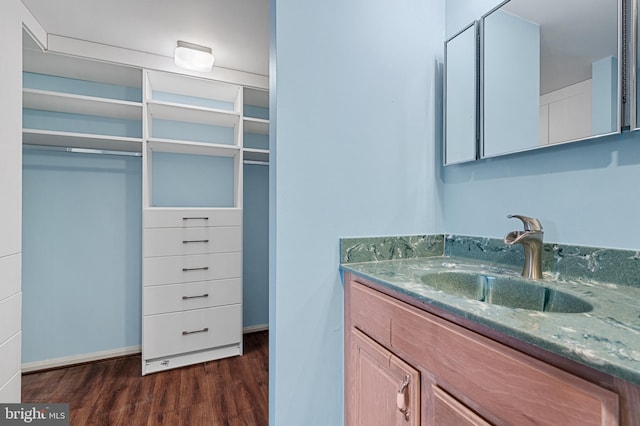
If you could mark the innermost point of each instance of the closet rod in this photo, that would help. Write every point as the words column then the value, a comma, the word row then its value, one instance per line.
column 83, row 150
column 257, row 163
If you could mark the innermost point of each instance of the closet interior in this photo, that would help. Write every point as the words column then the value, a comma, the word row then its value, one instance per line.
column 145, row 213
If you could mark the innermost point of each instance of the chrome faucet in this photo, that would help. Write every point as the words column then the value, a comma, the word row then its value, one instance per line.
column 531, row 240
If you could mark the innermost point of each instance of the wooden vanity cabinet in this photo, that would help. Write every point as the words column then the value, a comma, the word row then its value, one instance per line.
column 386, row 389
column 465, row 378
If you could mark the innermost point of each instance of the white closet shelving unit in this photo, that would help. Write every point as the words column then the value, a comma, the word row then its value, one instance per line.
column 64, row 97
column 256, row 124
column 190, row 132
column 192, row 245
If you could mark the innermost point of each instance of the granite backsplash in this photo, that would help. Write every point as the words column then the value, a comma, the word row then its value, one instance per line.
column 562, row 261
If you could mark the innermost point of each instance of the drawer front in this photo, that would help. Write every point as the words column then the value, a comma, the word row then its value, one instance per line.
column 10, row 271
column 191, row 218
column 10, row 355
column 184, row 241
column 371, row 313
column 10, row 391
column 182, row 297
column 201, row 267
column 10, row 316
column 182, row 332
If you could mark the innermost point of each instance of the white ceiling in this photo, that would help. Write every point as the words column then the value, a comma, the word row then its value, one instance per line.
column 236, row 30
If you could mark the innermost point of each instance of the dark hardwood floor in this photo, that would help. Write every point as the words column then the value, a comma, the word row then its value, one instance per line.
column 231, row 391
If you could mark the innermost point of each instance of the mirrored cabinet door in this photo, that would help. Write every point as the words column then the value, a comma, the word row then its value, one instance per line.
column 461, row 109
column 511, row 89
column 549, row 73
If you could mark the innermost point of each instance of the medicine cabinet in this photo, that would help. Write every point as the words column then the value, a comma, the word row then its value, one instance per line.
column 548, row 72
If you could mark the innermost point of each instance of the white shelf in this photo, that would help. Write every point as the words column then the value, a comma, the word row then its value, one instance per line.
column 196, row 148
column 192, row 86
column 250, row 154
column 191, row 114
column 49, row 63
column 80, row 104
column 256, row 125
column 80, row 140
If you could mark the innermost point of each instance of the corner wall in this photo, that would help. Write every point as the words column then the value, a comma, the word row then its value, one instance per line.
column 355, row 133
column 584, row 193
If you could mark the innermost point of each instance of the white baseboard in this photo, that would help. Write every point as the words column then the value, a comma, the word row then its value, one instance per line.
column 255, row 328
column 78, row 359
column 96, row 356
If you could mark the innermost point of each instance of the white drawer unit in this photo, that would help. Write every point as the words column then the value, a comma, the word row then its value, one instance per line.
column 183, row 332
column 198, row 267
column 188, row 296
column 179, row 218
column 184, row 241
column 191, row 220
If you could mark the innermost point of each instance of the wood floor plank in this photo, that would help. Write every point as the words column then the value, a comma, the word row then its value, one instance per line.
column 230, row 391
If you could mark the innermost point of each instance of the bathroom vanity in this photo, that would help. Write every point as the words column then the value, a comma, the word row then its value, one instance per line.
column 418, row 355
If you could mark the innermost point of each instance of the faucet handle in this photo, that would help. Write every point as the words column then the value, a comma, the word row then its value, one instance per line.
column 530, row 223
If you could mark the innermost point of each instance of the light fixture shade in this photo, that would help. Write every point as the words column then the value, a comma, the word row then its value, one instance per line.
column 194, row 57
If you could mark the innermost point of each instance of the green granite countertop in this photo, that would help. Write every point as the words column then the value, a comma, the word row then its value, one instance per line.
column 607, row 338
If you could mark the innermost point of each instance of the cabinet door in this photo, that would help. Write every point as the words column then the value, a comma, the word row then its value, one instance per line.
column 461, row 108
column 385, row 390
column 448, row 411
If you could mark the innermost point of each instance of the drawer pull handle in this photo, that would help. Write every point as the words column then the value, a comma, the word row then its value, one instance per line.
column 401, row 397
column 195, row 297
column 194, row 241
column 195, row 218
column 204, row 268
column 204, row 330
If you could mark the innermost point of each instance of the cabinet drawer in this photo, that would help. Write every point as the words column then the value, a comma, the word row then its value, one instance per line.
column 10, row 356
column 183, row 241
column 182, row 297
column 200, row 267
column 371, row 313
column 190, row 217
column 183, row 332
column 10, row 271
column 10, row 316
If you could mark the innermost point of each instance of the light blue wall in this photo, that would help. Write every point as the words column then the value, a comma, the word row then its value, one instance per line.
column 186, row 180
column 255, row 112
column 193, row 132
column 355, row 139
column 255, row 245
column 584, row 193
column 256, row 141
column 82, row 249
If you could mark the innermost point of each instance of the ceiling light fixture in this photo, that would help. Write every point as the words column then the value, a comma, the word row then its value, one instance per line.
column 194, row 57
